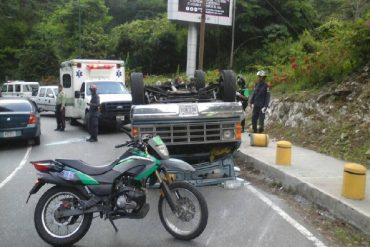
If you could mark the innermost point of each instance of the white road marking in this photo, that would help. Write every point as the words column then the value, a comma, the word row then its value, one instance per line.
column 20, row 166
column 65, row 142
column 286, row 217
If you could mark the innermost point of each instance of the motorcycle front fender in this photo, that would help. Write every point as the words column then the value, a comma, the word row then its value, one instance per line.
column 176, row 164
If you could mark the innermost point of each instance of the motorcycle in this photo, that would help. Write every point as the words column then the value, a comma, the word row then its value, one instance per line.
column 64, row 213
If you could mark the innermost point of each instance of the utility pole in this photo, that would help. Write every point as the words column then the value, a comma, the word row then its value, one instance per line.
column 232, row 37
column 201, row 34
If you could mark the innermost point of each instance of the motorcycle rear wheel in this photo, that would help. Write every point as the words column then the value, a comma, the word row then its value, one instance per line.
column 191, row 216
column 49, row 227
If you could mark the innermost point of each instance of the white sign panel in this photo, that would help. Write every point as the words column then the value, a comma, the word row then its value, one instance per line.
column 218, row 12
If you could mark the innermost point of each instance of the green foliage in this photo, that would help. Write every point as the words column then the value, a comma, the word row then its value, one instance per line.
column 127, row 10
column 326, row 54
column 267, row 35
column 63, row 29
column 38, row 62
column 153, row 45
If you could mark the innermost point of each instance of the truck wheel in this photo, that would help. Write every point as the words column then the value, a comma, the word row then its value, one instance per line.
column 228, row 86
column 199, row 77
column 137, row 89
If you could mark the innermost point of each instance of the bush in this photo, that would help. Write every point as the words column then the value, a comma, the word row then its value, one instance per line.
column 311, row 61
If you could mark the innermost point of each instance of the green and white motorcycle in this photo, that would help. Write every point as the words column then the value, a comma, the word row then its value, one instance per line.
column 64, row 213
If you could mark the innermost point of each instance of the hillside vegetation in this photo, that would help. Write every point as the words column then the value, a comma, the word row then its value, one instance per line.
column 334, row 120
column 303, row 43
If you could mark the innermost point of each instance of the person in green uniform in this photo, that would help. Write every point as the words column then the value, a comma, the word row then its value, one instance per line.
column 242, row 95
column 60, row 109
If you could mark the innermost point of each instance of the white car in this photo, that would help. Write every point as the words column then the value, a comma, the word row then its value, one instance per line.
column 46, row 98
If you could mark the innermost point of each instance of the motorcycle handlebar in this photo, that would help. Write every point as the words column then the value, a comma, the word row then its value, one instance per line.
column 121, row 145
column 137, row 144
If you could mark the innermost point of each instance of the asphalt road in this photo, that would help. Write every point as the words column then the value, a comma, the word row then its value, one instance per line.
column 240, row 217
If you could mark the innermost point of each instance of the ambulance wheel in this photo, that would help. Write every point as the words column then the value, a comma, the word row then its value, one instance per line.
column 73, row 122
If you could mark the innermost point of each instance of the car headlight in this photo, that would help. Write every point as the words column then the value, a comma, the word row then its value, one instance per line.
column 227, row 134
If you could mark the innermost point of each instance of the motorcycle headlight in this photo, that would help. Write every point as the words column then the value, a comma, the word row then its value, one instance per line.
column 163, row 150
column 228, row 134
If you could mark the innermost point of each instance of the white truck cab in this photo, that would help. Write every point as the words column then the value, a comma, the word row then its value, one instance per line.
column 77, row 75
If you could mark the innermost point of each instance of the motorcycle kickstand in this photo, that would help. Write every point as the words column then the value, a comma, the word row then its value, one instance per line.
column 114, row 226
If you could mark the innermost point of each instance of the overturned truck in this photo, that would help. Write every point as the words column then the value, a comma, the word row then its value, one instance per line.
column 199, row 123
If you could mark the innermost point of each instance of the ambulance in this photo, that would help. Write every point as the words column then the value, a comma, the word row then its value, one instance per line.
column 77, row 75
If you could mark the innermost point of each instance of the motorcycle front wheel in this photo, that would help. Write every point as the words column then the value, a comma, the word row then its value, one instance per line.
column 60, row 230
column 190, row 218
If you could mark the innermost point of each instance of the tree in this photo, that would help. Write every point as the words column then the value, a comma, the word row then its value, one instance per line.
column 66, row 33
column 154, row 46
column 124, row 11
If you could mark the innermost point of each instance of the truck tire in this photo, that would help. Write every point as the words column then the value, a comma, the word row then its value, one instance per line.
column 199, row 77
column 137, row 89
column 228, row 86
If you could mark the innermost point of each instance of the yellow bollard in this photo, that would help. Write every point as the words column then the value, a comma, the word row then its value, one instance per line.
column 354, row 181
column 283, row 153
column 259, row 140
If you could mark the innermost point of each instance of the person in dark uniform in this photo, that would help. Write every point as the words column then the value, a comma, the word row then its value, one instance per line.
column 242, row 95
column 60, row 109
column 259, row 102
column 93, row 115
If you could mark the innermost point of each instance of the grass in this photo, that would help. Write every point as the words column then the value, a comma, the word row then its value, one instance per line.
column 349, row 148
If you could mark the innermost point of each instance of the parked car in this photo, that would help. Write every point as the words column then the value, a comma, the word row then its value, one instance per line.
column 46, row 98
column 24, row 89
column 19, row 119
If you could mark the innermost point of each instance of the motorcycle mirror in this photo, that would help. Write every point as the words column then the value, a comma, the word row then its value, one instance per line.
column 127, row 131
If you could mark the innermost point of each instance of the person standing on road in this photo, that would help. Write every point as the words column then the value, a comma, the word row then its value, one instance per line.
column 243, row 96
column 259, row 101
column 93, row 124
column 60, row 109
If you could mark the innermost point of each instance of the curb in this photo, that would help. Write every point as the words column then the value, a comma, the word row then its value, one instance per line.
column 313, row 194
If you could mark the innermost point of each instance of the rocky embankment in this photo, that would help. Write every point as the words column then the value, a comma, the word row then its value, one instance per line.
column 334, row 120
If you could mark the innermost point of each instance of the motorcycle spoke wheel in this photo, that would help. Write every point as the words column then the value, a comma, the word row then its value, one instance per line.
column 190, row 217
column 61, row 227
column 57, row 230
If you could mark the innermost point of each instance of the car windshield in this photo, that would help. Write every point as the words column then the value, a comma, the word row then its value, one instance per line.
column 108, row 87
column 55, row 91
column 31, row 88
column 15, row 106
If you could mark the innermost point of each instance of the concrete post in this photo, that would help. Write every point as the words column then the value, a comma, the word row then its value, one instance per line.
column 192, row 49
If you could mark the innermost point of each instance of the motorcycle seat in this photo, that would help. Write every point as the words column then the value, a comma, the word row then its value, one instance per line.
column 84, row 167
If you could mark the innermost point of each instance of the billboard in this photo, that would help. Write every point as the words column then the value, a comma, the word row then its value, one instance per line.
column 218, row 12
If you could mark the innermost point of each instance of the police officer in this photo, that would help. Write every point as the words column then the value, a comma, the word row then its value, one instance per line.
column 242, row 95
column 93, row 124
column 259, row 102
column 60, row 109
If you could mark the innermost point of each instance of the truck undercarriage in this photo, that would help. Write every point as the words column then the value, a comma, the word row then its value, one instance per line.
column 199, row 123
